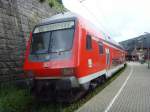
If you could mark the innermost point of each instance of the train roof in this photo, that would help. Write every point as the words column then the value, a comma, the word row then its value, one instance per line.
column 60, row 17
column 72, row 16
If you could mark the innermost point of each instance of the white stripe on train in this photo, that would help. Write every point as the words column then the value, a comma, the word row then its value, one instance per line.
column 108, row 73
column 90, row 77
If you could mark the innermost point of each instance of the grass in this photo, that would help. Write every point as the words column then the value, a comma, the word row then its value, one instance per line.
column 13, row 99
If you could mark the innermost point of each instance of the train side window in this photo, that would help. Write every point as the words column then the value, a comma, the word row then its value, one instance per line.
column 101, row 49
column 88, row 42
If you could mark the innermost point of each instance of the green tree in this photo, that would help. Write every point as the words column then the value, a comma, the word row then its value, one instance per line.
column 55, row 4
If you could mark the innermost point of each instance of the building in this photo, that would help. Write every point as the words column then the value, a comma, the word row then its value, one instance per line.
column 137, row 48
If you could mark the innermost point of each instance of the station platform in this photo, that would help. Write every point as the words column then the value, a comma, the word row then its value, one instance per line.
column 129, row 92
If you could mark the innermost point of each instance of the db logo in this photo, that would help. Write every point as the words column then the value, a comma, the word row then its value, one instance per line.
column 46, row 65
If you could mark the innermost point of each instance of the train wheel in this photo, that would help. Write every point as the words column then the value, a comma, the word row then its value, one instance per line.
column 85, row 86
column 93, row 85
column 103, row 79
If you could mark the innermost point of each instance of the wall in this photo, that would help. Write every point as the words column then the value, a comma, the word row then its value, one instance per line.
column 17, row 19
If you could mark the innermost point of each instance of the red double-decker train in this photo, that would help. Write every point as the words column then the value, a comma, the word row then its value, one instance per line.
column 66, row 52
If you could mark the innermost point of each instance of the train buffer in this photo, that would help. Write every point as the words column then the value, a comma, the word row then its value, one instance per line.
column 130, row 92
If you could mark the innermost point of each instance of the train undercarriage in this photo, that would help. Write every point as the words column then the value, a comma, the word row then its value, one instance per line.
column 55, row 91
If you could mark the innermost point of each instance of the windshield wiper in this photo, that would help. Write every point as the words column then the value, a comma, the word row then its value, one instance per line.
column 50, row 42
column 59, row 52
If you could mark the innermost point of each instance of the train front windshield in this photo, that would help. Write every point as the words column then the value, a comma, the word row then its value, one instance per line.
column 56, row 37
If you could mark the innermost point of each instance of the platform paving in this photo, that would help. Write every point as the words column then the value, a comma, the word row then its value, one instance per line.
column 130, row 92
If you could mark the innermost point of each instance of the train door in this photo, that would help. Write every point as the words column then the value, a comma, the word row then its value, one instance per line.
column 107, row 57
column 108, row 74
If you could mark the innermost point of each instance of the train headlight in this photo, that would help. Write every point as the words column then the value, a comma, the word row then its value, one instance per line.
column 67, row 71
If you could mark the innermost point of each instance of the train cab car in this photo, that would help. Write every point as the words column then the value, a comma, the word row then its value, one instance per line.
column 66, row 52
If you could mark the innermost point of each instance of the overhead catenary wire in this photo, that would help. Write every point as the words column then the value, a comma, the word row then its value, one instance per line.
column 91, row 13
column 107, row 33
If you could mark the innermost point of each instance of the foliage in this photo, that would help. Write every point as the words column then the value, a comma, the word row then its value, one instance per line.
column 56, row 4
column 14, row 100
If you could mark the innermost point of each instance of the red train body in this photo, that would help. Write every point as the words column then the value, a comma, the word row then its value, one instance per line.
column 67, row 52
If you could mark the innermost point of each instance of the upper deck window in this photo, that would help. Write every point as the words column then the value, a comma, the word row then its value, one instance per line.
column 101, row 49
column 88, row 42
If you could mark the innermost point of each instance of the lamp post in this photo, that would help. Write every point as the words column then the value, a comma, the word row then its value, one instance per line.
column 148, row 52
column 147, row 45
column 140, row 44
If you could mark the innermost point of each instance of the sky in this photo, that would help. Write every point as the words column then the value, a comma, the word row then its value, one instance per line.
column 120, row 19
